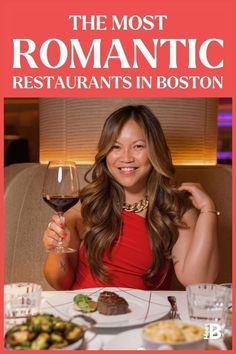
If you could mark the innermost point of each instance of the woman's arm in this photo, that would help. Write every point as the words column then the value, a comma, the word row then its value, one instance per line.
column 60, row 269
column 195, row 254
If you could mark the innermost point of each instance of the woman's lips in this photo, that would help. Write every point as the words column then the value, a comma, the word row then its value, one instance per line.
column 127, row 170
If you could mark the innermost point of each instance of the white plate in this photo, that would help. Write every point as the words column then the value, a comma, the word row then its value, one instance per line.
column 132, row 340
column 145, row 306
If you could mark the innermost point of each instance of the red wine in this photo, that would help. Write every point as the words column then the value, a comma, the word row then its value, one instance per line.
column 61, row 204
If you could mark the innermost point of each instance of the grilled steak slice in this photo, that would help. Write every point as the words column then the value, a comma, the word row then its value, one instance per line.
column 109, row 303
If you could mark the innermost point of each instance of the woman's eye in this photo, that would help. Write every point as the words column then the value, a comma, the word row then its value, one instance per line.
column 115, row 147
column 139, row 146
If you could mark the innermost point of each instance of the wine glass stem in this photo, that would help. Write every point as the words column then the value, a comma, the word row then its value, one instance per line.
column 60, row 245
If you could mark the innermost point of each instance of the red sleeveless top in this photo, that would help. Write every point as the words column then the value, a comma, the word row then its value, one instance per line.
column 131, row 256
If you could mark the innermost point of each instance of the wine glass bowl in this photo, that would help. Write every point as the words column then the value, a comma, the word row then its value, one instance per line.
column 61, row 192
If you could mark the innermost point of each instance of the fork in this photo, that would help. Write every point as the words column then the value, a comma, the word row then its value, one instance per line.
column 174, row 313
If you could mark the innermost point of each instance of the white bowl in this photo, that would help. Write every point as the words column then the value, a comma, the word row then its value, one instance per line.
column 179, row 335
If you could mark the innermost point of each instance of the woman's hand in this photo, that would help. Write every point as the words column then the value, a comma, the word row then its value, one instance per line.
column 56, row 231
column 200, row 199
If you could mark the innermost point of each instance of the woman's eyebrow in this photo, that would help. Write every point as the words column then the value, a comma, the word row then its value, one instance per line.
column 133, row 142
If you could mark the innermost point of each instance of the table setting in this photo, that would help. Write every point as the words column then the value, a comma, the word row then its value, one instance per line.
column 108, row 332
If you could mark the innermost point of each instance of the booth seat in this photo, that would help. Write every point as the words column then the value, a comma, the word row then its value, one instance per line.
column 26, row 217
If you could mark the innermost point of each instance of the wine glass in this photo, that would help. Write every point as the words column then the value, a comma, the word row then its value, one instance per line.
column 61, row 192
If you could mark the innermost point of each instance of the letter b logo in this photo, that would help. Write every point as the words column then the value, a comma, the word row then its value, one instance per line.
column 212, row 331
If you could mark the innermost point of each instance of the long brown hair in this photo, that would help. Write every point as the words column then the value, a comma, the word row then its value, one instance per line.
column 102, row 198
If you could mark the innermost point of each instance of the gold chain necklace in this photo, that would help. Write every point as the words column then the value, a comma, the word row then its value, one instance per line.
column 136, row 207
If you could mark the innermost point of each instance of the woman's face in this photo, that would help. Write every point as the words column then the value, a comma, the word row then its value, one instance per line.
column 127, row 161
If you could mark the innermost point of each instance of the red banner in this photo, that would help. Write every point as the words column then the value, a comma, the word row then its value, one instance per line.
column 141, row 48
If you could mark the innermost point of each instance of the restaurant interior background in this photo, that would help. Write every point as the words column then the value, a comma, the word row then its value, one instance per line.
column 199, row 132
column 21, row 130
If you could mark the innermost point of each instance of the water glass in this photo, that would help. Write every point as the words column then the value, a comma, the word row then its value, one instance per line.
column 228, row 326
column 229, row 286
column 208, row 303
column 21, row 300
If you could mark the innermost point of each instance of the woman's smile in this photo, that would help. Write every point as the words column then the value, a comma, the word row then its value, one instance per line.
column 127, row 171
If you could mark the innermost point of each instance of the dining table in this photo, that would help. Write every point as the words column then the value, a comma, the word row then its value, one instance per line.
column 122, row 332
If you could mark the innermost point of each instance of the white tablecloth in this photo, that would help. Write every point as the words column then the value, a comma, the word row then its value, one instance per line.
column 103, row 336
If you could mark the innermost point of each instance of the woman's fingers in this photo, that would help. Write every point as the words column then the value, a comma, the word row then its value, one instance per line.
column 59, row 220
column 191, row 187
column 53, row 235
column 199, row 197
column 53, row 226
column 50, row 242
column 50, row 239
column 55, row 232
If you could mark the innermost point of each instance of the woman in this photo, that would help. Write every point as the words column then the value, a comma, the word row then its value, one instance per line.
column 133, row 225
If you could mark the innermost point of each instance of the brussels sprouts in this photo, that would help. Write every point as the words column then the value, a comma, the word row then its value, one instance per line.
column 74, row 334
column 43, row 331
column 41, row 342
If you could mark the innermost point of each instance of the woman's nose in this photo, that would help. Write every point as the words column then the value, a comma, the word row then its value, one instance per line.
column 126, row 155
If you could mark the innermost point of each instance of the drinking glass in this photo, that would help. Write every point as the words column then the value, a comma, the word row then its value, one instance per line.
column 207, row 303
column 61, row 192
column 228, row 325
column 20, row 300
column 229, row 307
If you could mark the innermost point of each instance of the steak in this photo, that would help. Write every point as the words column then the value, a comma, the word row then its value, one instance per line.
column 109, row 303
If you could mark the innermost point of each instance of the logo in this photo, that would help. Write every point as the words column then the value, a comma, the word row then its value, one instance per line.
column 213, row 331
